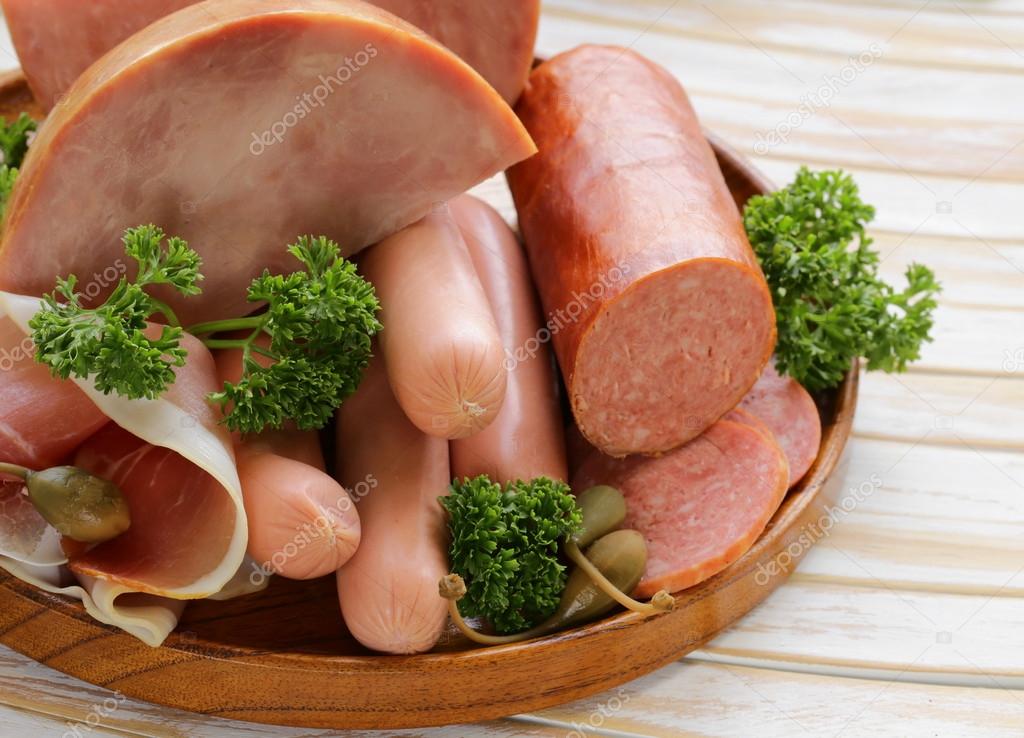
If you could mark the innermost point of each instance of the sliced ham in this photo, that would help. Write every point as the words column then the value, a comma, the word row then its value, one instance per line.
column 788, row 411
column 699, row 507
column 177, row 469
column 43, row 419
column 178, row 511
column 332, row 117
column 57, row 40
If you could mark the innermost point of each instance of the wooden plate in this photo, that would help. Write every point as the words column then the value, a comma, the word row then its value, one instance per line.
column 284, row 657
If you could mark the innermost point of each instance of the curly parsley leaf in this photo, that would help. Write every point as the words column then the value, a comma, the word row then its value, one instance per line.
column 14, row 140
column 110, row 343
column 830, row 304
column 320, row 323
column 505, row 545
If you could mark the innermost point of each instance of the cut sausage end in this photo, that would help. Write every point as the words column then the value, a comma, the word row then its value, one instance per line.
column 687, row 342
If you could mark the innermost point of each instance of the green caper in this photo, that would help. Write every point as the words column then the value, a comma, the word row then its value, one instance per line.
column 78, row 504
column 603, row 508
column 621, row 556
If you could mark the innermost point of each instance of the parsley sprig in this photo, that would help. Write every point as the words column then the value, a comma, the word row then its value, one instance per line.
column 111, row 342
column 505, row 545
column 319, row 323
column 14, row 139
column 830, row 304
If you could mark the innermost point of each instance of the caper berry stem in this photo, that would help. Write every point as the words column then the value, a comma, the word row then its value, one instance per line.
column 15, row 471
column 453, row 589
column 661, row 602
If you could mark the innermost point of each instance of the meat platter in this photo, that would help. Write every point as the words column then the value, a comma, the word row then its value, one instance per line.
column 440, row 458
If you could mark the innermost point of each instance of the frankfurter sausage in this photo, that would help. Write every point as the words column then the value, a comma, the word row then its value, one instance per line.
column 440, row 343
column 388, row 591
column 660, row 315
column 302, row 523
column 525, row 440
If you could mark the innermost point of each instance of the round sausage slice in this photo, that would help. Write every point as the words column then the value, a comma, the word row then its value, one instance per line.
column 784, row 406
column 699, row 507
column 660, row 315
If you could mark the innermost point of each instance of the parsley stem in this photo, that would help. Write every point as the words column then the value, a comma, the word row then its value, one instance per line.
column 231, row 324
column 225, row 343
column 164, row 309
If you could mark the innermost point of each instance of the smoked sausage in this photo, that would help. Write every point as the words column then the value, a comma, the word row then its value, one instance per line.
column 659, row 313
column 699, row 507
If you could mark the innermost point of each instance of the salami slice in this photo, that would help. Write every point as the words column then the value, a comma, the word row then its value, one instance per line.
column 699, row 507
column 659, row 313
column 739, row 415
column 782, row 404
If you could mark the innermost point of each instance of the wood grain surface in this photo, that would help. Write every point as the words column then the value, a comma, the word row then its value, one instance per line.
column 905, row 620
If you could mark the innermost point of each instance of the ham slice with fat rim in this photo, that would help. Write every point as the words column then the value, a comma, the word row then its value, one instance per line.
column 177, row 468
column 333, row 117
column 57, row 40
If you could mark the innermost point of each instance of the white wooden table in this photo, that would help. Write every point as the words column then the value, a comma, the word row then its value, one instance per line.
column 908, row 618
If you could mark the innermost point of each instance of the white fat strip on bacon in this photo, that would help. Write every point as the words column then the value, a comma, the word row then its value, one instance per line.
column 180, row 421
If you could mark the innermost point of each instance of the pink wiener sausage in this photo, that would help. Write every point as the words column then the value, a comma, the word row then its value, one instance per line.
column 302, row 523
column 525, row 440
column 440, row 343
column 388, row 591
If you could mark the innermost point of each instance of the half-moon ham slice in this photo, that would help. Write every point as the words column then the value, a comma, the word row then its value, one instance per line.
column 57, row 40
column 239, row 125
column 175, row 464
